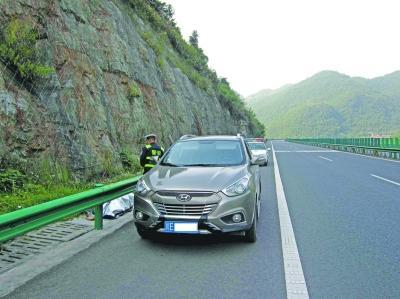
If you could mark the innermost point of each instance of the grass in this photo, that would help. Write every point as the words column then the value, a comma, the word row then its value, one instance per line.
column 33, row 194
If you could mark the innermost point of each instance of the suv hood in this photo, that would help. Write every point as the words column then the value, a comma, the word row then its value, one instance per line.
column 195, row 178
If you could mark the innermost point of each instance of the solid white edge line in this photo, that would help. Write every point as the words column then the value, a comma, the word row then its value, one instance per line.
column 296, row 286
column 383, row 179
column 326, row 159
column 315, row 151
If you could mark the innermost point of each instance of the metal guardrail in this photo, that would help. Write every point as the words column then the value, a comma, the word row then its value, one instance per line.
column 371, row 146
column 22, row 221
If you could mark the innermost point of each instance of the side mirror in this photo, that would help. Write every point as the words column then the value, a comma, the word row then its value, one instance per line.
column 258, row 161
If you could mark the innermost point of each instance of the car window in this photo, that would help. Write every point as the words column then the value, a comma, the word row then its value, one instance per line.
column 205, row 152
column 249, row 153
column 257, row 145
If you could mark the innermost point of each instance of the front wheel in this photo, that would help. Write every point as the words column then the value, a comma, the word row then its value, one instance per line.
column 143, row 233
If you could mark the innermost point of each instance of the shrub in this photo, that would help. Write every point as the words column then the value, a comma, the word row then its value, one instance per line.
column 157, row 44
column 18, row 49
column 11, row 180
column 192, row 74
column 130, row 162
column 154, row 43
column 226, row 92
column 134, row 91
column 109, row 167
column 159, row 14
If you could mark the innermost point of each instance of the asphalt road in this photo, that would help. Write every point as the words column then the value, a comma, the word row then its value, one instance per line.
column 345, row 220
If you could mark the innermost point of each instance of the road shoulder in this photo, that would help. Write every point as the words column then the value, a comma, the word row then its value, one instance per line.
column 41, row 263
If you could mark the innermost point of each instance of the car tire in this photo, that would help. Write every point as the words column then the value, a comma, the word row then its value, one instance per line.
column 250, row 235
column 143, row 233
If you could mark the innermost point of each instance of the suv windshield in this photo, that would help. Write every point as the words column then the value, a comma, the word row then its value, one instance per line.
column 205, row 153
column 256, row 145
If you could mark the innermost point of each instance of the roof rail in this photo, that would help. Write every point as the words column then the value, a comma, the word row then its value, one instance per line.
column 255, row 139
column 187, row 136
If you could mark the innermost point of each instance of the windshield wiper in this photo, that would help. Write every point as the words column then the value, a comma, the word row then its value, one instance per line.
column 169, row 164
column 203, row 164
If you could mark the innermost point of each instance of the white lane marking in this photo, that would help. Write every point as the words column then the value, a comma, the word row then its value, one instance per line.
column 296, row 286
column 314, row 151
column 383, row 179
column 326, row 159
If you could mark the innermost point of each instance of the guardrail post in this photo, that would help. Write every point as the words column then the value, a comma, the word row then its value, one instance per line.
column 98, row 214
column 98, row 217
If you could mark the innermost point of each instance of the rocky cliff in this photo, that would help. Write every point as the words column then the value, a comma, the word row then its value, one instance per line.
column 108, row 89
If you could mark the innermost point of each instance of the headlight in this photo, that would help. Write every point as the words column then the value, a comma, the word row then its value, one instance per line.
column 141, row 187
column 238, row 187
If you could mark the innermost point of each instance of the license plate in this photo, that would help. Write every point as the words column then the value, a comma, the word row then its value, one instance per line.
column 181, row 227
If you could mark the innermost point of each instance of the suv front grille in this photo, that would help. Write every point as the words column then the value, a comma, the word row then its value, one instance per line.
column 191, row 193
column 188, row 210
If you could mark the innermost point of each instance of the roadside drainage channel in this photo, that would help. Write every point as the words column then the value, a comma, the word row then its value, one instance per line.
column 40, row 241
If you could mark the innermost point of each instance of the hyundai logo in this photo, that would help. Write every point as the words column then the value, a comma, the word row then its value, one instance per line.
column 183, row 197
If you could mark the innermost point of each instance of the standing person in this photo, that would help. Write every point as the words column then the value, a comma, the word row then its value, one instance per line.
column 151, row 153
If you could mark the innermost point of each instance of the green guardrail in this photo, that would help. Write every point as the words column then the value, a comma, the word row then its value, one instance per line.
column 391, row 145
column 22, row 221
column 373, row 143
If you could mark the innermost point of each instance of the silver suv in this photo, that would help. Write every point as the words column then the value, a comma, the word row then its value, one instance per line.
column 202, row 185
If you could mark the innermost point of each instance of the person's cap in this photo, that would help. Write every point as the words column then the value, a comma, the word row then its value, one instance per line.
column 150, row 136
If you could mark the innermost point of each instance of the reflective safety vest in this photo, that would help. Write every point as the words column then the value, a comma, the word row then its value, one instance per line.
column 150, row 155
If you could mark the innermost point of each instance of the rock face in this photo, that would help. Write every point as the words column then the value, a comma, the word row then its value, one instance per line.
column 84, row 116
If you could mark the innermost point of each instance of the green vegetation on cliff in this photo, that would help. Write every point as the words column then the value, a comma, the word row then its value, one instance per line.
column 18, row 50
column 331, row 104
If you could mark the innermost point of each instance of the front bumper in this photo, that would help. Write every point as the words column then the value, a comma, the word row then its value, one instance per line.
column 215, row 221
column 265, row 156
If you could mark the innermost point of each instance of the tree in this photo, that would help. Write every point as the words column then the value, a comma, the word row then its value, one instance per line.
column 194, row 39
column 165, row 10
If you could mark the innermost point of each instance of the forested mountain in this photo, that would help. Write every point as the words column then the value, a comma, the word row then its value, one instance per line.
column 331, row 104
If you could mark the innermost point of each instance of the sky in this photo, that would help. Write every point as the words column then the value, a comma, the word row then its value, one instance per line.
column 260, row 44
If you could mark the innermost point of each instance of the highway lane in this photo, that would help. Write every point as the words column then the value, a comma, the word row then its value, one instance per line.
column 345, row 221
column 124, row 266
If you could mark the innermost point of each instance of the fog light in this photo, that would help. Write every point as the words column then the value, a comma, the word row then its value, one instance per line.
column 139, row 215
column 237, row 218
